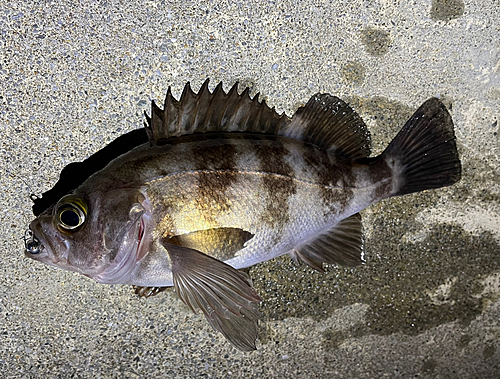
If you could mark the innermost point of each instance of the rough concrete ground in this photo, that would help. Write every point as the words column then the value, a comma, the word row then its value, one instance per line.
column 75, row 75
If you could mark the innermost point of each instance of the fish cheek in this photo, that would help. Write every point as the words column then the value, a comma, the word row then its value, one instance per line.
column 84, row 251
column 118, row 224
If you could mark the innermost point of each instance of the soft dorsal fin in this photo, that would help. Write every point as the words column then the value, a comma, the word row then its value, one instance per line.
column 328, row 122
column 325, row 121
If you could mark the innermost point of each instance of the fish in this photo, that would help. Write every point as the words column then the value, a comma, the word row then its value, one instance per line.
column 218, row 181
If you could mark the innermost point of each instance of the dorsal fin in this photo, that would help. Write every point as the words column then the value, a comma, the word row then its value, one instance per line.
column 328, row 122
column 216, row 111
column 346, row 136
column 325, row 121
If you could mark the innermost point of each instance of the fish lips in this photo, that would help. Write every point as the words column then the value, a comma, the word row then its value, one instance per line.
column 51, row 250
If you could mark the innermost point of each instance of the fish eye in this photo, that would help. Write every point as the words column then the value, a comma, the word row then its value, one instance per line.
column 71, row 213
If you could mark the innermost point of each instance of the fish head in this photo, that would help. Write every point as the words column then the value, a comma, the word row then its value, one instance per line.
column 98, row 234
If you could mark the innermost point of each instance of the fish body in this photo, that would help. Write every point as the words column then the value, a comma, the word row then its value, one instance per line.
column 281, row 191
column 224, row 183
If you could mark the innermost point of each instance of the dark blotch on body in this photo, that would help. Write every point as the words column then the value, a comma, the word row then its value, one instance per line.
column 379, row 172
column 278, row 183
column 331, row 174
column 211, row 195
column 218, row 154
column 217, row 161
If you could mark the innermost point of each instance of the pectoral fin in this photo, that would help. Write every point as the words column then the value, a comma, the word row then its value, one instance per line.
column 223, row 294
column 341, row 244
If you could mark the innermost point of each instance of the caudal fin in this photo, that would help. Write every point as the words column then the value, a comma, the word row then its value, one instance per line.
column 424, row 153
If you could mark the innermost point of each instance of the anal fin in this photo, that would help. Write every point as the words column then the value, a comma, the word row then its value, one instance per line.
column 223, row 294
column 342, row 244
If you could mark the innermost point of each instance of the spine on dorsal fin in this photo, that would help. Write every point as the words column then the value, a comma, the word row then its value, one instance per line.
column 216, row 111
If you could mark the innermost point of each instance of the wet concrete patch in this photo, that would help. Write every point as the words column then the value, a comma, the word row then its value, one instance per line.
column 489, row 351
column 333, row 338
column 376, row 41
column 446, row 10
column 394, row 282
column 429, row 366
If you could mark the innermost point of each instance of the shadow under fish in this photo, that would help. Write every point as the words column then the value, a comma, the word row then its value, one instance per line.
column 218, row 181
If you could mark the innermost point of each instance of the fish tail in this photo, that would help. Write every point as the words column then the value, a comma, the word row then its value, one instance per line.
column 424, row 153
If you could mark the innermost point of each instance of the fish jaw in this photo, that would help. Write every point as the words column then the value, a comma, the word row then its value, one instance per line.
column 58, row 249
column 53, row 248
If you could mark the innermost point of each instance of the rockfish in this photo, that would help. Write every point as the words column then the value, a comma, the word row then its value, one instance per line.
column 219, row 181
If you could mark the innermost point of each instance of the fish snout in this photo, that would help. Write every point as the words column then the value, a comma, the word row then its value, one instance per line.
column 32, row 244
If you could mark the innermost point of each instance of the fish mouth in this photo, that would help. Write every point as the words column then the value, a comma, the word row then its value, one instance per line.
column 32, row 245
column 40, row 248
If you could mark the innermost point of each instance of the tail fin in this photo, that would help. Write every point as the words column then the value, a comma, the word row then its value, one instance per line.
column 424, row 153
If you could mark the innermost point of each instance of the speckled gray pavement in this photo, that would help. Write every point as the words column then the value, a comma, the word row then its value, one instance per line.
column 75, row 75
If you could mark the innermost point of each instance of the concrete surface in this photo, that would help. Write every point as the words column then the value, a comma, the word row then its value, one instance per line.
column 74, row 75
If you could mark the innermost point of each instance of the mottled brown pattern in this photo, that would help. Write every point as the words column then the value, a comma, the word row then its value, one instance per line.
column 219, row 155
column 278, row 183
column 216, row 154
column 163, row 210
column 331, row 174
column 379, row 172
column 278, row 191
column 211, row 198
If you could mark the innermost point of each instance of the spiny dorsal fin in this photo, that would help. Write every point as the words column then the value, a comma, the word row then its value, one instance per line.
column 325, row 121
column 216, row 111
column 341, row 244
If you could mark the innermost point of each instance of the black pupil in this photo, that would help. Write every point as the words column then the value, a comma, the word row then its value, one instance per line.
column 70, row 217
